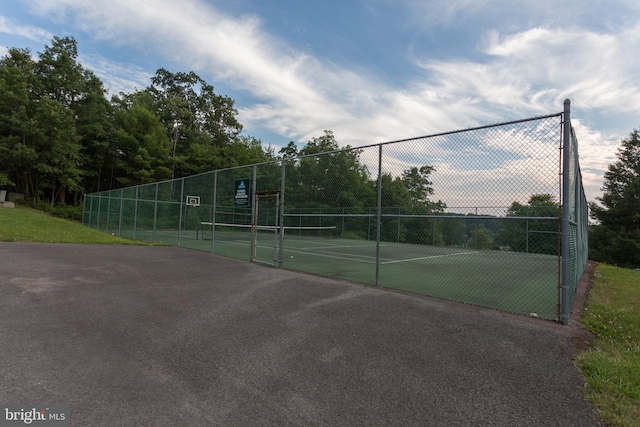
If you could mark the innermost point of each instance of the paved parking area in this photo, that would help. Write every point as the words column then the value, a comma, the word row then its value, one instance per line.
column 163, row 336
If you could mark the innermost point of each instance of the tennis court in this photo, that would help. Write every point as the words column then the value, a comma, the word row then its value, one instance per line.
column 515, row 282
column 503, row 228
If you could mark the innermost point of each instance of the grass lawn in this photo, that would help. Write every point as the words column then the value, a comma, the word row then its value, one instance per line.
column 612, row 366
column 22, row 224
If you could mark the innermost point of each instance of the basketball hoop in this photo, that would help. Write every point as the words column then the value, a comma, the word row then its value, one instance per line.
column 193, row 201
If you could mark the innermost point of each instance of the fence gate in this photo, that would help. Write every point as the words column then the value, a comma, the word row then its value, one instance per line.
column 265, row 245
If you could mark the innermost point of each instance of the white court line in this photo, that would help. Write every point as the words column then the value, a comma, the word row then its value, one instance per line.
column 309, row 248
column 348, row 257
column 311, row 253
column 425, row 257
column 330, row 256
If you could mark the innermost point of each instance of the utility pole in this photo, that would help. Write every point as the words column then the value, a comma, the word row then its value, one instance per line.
column 175, row 142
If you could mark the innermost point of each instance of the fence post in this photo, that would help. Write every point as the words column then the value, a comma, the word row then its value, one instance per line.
column 213, row 212
column 281, row 219
column 180, row 204
column 566, row 152
column 121, row 212
column 254, row 217
column 108, row 210
column 90, row 209
column 398, row 224
column 379, row 216
column 155, row 214
column 135, row 216
column 99, row 210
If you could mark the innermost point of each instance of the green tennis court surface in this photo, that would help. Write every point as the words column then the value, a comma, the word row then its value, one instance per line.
column 515, row 282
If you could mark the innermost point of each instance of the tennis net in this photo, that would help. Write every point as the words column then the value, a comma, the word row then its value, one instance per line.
column 244, row 232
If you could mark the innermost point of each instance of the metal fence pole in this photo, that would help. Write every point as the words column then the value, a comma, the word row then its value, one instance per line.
column 135, row 215
column 213, row 211
column 121, row 212
column 566, row 152
column 108, row 210
column 398, row 225
column 281, row 220
column 99, row 208
column 85, row 208
column 155, row 215
column 254, row 219
column 180, row 217
column 379, row 216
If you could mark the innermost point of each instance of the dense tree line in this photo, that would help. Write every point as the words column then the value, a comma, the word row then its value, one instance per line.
column 615, row 238
column 61, row 137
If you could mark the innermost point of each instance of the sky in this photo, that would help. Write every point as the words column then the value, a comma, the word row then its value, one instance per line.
column 369, row 70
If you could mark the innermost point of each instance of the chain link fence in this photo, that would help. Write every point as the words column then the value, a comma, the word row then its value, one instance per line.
column 493, row 216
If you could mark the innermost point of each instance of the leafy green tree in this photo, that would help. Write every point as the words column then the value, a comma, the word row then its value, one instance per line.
column 420, row 188
column 142, row 145
column 290, row 151
column 416, row 180
column 395, row 199
column 481, row 238
column 16, row 110
column 335, row 179
column 94, row 127
column 45, row 103
column 58, row 163
column 63, row 80
column 616, row 240
column 200, row 122
column 532, row 235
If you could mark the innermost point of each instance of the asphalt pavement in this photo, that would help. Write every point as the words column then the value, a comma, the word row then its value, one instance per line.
column 163, row 336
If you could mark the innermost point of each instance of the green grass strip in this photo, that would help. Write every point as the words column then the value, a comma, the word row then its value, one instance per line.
column 612, row 366
column 22, row 224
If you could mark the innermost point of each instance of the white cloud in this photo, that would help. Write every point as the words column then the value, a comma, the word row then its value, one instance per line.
column 597, row 70
column 25, row 31
column 116, row 77
column 516, row 71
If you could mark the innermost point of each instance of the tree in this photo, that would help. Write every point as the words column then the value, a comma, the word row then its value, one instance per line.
column 334, row 179
column 47, row 114
column 17, row 87
column 616, row 239
column 202, row 122
column 416, row 180
column 418, row 185
column 142, row 146
column 532, row 235
column 94, row 127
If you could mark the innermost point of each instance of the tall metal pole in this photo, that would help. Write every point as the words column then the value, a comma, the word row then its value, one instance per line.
column 379, row 215
column 254, row 216
column 135, row 216
column 180, row 217
column 213, row 212
column 99, row 208
column 90, row 208
column 281, row 220
column 155, row 215
column 120, row 216
column 108, row 210
column 175, row 143
column 566, row 165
